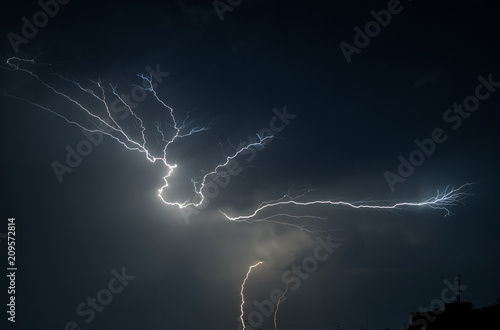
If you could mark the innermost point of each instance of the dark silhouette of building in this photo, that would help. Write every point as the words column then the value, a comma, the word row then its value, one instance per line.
column 457, row 315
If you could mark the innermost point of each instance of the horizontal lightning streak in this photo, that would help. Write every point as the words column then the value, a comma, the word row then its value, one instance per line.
column 440, row 201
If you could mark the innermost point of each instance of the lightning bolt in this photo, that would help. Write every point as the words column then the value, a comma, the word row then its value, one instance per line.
column 441, row 201
column 241, row 292
column 167, row 134
column 175, row 130
column 279, row 300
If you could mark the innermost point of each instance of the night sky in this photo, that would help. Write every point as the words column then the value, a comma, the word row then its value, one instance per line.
column 359, row 101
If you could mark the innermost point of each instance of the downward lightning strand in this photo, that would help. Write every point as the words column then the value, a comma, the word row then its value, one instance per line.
column 278, row 303
column 241, row 292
